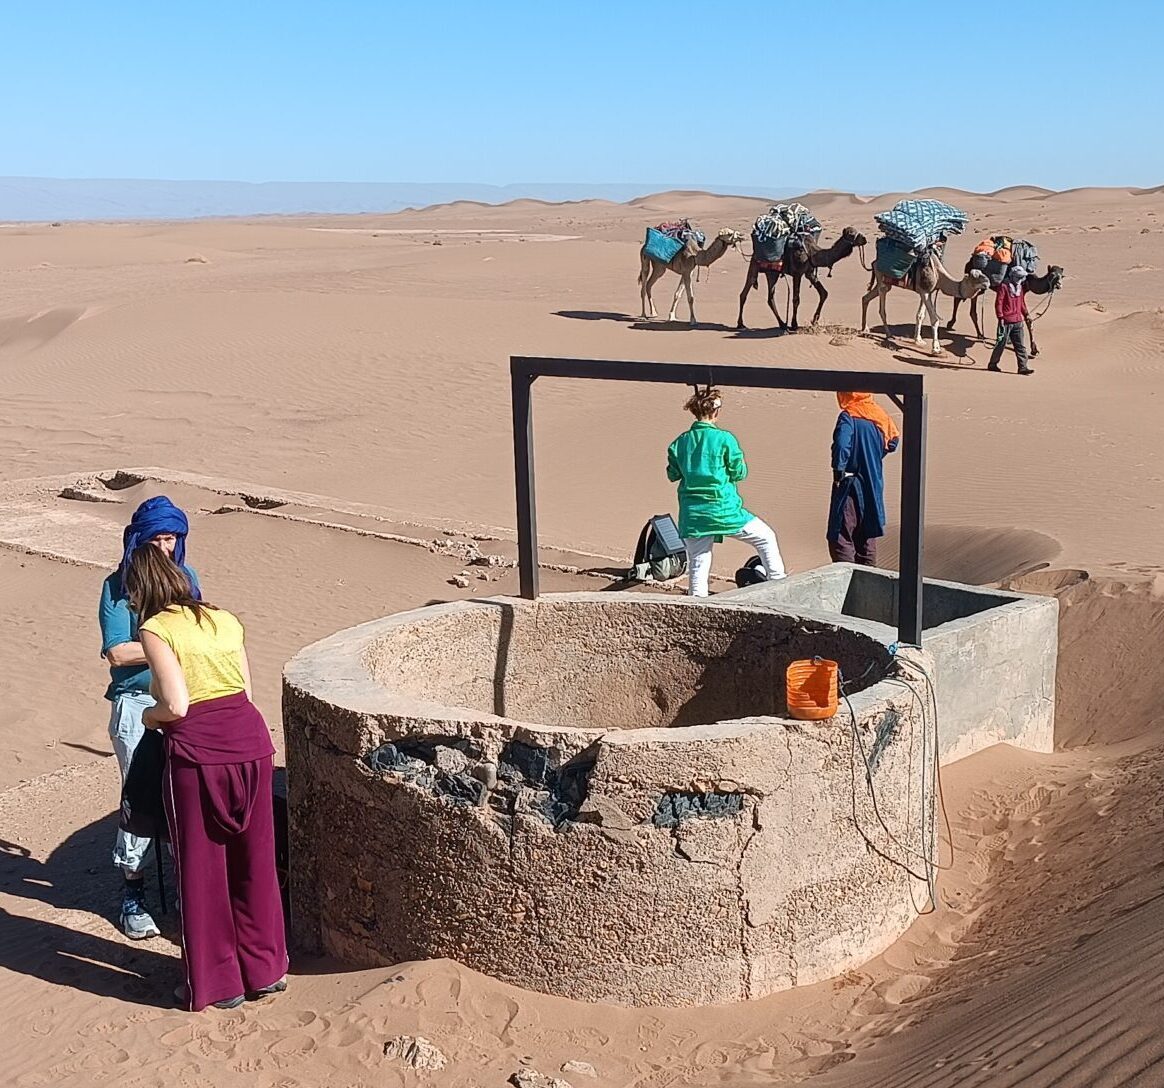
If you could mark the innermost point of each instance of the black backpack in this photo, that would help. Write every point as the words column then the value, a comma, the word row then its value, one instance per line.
column 659, row 554
column 142, row 809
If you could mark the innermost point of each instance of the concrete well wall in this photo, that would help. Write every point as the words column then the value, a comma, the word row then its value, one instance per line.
column 640, row 825
column 994, row 651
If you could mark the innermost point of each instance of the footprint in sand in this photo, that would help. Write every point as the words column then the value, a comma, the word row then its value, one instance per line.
column 903, row 989
column 1038, row 797
column 102, row 1027
column 181, row 1035
column 217, row 1050
column 42, row 1023
column 291, row 1048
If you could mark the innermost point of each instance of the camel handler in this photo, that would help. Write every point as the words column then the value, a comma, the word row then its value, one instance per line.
column 864, row 434
column 1010, row 306
column 707, row 463
column 156, row 523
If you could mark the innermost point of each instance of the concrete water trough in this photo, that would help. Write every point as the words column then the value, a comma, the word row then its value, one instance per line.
column 994, row 651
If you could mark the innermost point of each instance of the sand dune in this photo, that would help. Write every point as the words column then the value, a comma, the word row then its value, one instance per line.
column 333, row 408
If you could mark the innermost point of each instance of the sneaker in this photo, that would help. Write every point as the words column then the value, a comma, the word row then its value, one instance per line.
column 1028, row 370
column 267, row 991
column 136, row 922
column 182, row 996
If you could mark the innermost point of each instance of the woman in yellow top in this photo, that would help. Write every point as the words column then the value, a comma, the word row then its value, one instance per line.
column 217, row 788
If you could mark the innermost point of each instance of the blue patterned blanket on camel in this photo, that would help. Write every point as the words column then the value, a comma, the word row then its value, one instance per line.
column 782, row 222
column 919, row 224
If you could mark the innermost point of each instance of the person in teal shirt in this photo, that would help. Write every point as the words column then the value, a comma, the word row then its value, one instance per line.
column 707, row 463
column 157, row 523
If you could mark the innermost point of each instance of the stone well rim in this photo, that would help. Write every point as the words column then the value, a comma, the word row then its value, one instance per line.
column 335, row 671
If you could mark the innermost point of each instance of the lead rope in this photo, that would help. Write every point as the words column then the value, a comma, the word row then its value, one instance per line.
column 1046, row 306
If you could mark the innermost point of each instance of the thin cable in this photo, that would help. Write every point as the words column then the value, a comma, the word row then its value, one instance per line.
column 860, row 744
column 932, row 695
column 927, row 814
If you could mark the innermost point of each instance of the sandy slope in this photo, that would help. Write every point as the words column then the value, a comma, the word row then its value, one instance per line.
column 371, row 368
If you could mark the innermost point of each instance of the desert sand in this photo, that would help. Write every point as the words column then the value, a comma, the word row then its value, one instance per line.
column 328, row 396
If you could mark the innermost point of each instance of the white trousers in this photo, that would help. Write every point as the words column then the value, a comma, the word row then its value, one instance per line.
column 756, row 532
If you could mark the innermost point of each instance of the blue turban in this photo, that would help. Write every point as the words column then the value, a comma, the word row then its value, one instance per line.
column 154, row 517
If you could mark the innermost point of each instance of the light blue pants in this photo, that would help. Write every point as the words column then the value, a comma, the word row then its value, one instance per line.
column 125, row 730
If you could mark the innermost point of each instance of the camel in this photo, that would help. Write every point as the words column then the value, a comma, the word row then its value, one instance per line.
column 1049, row 281
column 683, row 263
column 801, row 258
column 929, row 276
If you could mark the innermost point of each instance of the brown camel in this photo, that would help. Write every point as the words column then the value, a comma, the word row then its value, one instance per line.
column 686, row 261
column 801, row 258
column 1048, row 282
column 929, row 276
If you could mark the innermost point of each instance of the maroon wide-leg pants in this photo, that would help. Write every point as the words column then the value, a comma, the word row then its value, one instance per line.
column 223, row 834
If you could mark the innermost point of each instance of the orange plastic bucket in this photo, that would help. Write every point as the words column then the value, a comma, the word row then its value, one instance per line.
column 811, row 689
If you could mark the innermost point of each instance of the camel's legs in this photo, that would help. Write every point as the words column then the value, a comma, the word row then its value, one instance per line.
column 974, row 315
column 954, row 315
column 773, row 279
column 921, row 309
column 648, row 277
column 820, row 290
column 930, row 303
column 796, row 277
column 753, row 280
column 657, row 272
column 1031, row 336
column 684, row 283
column 883, row 290
column 865, row 300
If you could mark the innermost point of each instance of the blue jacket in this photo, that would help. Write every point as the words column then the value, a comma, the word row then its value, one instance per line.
column 858, row 450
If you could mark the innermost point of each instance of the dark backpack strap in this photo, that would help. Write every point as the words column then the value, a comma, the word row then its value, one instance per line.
column 644, row 543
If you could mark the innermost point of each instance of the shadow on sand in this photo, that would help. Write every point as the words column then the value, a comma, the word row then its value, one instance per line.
column 77, row 877
column 645, row 325
column 594, row 315
column 662, row 325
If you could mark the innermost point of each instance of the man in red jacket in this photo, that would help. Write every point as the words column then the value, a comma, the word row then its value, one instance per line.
column 1010, row 306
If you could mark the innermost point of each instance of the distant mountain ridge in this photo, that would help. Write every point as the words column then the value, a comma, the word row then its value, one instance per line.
column 48, row 199
column 40, row 200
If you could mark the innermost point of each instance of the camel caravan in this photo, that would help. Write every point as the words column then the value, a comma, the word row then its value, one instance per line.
column 909, row 255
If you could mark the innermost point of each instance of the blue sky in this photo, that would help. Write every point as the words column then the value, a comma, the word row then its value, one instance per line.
column 869, row 96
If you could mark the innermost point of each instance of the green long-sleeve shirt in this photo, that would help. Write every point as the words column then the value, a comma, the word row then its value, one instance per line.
column 707, row 463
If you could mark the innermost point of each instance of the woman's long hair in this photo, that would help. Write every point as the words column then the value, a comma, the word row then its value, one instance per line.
column 153, row 583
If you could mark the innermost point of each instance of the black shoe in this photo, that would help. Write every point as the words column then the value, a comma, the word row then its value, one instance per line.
column 996, row 369
column 1027, row 370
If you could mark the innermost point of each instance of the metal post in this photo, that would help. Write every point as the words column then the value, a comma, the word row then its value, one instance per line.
column 913, row 519
column 523, row 474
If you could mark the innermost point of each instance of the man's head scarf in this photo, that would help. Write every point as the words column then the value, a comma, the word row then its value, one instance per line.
column 153, row 518
column 863, row 406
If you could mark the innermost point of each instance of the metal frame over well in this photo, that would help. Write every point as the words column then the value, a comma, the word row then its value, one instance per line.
column 906, row 391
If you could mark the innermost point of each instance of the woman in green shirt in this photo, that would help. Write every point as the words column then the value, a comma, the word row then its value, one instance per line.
column 707, row 463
